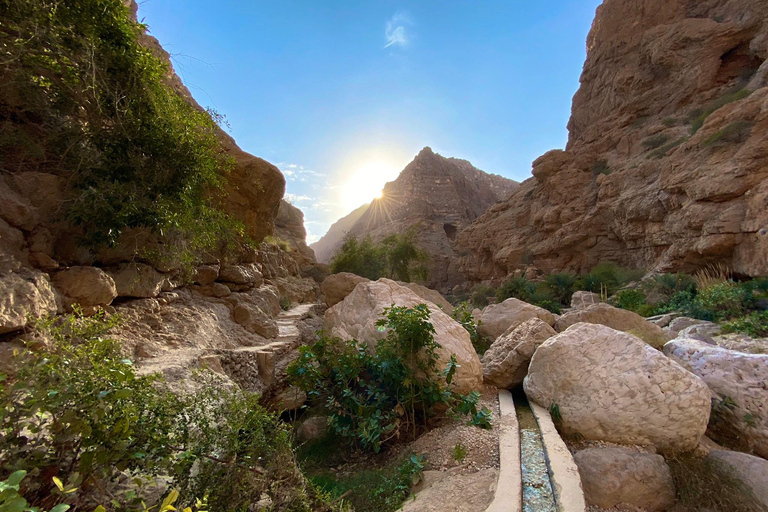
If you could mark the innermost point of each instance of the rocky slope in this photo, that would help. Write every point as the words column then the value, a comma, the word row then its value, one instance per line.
column 666, row 165
column 330, row 242
column 436, row 197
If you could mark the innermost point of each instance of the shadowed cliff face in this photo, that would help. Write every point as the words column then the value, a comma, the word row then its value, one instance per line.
column 667, row 160
column 436, row 197
column 331, row 241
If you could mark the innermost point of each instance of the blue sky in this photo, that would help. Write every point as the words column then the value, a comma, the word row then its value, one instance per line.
column 341, row 95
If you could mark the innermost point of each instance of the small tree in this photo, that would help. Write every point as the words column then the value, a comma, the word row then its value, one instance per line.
column 396, row 257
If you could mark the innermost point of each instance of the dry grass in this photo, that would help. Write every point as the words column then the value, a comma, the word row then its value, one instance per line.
column 711, row 275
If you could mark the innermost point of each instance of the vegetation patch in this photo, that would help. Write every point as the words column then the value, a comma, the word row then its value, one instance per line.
column 655, row 141
column 78, row 418
column 697, row 117
column 81, row 98
column 396, row 257
column 462, row 313
column 600, row 167
column 392, row 394
column 734, row 133
column 662, row 151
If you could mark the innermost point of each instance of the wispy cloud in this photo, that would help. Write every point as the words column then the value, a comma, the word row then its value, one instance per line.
column 295, row 172
column 294, row 198
column 395, row 32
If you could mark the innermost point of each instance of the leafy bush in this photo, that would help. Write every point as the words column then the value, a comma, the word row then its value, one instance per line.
column 629, row 299
column 698, row 116
column 755, row 324
column 725, row 300
column 395, row 257
column 655, row 141
column 375, row 398
column 285, row 303
column 663, row 150
column 734, row 133
column 76, row 409
column 608, row 276
column 561, row 286
column 480, row 294
column 668, row 285
column 463, row 314
column 83, row 99
column 517, row 287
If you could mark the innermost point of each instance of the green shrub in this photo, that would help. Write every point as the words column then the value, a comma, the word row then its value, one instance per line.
column 459, row 452
column 395, row 257
column 655, row 141
column 561, row 286
column 83, row 99
column 517, row 287
column 733, row 133
column 608, row 276
column 463, row 314
column 663, row 150
column 668, row 285
column 698, row 116
column 76, row 409
column 285, row 303
column 669, row 121
column 629, row 299
column 375, row 398
column 755, row 324
column 725, row 300
column 480, row 294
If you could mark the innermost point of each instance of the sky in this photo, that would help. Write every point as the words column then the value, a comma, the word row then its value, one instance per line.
column 341, row 94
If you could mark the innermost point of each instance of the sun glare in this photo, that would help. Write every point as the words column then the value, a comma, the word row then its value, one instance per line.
column 367, row 183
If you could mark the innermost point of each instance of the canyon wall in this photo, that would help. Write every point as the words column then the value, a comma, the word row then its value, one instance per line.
column 666, row 166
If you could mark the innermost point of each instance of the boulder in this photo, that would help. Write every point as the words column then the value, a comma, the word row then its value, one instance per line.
column 312, row 429
column 582, row 299
column 613, row 476
column 289, row 399
column 430, row 295
column 355, row 318
column 90, row 287
column 505, row 363
column 254, row 320
column 704, row 331
column 336, row 287
column 738, row 382
column 751, row 471
column 25, row 293
column 206, row 274
column 246, row 274
column 611, row 386
column 616, row 318
column 497, row 318
column 137, row 280
column 678, row 324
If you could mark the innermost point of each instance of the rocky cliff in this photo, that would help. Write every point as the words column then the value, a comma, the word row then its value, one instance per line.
column 437, row 197
column 330, row 242
column 666, row 165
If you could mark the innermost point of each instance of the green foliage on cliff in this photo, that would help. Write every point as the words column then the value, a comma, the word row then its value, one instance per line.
column 80, row 97
column 396, row 257
column 77, row 410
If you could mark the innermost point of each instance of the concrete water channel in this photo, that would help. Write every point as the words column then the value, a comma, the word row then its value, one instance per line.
column 537, row 472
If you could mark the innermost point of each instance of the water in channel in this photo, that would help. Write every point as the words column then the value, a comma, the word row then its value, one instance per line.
column 537, row 487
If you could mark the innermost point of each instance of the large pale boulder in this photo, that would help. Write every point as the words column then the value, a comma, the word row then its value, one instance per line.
column 615, row 475
column 24, row 293
column 89, row 287
column 616, row 318
column 497, row 318
column 336, row 287
column 355, row 318
column 750, row 471
column 738, row 382
column 137, row 280
column 582, row 299
column 255, row 310
column 505, row 363
column 608, row 385
column 431, row 295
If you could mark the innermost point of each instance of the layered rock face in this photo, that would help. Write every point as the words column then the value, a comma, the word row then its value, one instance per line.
column 436, row 197
column 289, row 226
column 666, row 165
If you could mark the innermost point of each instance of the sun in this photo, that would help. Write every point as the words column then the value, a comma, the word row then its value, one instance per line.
column 367, row 183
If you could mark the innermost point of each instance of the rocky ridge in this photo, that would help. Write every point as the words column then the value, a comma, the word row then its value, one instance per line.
column 666, row 166
column 436, row 197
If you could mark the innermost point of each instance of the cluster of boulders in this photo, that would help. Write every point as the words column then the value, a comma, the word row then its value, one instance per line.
column 635, row 391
